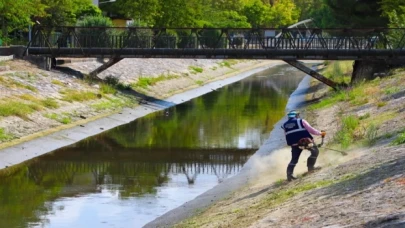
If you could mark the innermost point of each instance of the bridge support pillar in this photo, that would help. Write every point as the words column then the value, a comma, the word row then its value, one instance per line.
column 104, row 67
column 300, row 66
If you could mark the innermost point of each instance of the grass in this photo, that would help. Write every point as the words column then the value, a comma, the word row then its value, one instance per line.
column 57, row 82
column 347, row 133
column 400, row 139
column 109, row 104
column 195, row 69
column 144, row 82
column 47, row 102
column 339, row 71
column 107, row 89
column 77, row 95
column 10, row 83
column 17, row 108
column 4, row 136
column 358, row 95
column 392, row 90
column 50, row 103
column 371, row 134
column 228, row 63
column 63, row 118
column 199, row 82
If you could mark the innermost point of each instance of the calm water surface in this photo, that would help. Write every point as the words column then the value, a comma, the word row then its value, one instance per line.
column 130, row 175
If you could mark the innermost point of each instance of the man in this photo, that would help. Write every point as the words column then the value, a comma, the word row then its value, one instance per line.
column 298, row 135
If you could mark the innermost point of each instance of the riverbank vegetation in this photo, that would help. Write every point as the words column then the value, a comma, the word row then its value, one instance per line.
column 363, row 128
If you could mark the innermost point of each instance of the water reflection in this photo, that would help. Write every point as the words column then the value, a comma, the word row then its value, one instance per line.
column 128, row 176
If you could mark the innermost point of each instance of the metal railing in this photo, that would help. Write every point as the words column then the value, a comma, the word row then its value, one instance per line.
column 216, row 41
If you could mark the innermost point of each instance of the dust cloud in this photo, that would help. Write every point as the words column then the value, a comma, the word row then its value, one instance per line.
column 272, row 167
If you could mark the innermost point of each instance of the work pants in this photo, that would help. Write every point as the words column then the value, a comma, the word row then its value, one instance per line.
column 296, row 152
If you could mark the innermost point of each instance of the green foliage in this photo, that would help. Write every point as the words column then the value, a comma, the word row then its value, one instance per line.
column 107, row 89
column 144, row 82
column 77, row 95
column 400, row 139
column 57, row 82
column 199, row 82
column 63, row 118
column 355, row 14
column 17, row 108
column 4, row 136
column 16, row 14
column 392, row 90
column 109, row 104
column 50, row 103
column 257, row 13
column 94, row 21
column 346, row 135
column 66, row 12
column 196, row 69
column 95, row 38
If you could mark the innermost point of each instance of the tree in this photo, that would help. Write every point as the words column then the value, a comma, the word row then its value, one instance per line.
column 283, row 13
column 66, row 12
column 257, row 13
column 178, row 13
column 356, row 13
column 141, row 11
column 16, row 14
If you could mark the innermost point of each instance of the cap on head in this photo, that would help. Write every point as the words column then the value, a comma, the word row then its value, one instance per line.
column 293, row 113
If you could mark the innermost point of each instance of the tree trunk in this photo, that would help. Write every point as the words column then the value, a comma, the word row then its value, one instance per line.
column 365, row 70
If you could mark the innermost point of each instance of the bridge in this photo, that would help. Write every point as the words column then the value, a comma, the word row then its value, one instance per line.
column 289, row 44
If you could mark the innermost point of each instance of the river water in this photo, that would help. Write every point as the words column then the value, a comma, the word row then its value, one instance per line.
column 130, row 175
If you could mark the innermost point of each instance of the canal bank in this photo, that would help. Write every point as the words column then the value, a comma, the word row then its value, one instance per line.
column 41, row 143
column 250, row 172
column 365, row 188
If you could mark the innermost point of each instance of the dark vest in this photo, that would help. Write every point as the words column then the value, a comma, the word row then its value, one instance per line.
column 295, row 130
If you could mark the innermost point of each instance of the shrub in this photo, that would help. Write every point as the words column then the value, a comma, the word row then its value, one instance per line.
column 90, row 37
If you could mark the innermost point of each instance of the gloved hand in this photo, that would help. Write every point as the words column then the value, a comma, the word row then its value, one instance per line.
column 323, row 133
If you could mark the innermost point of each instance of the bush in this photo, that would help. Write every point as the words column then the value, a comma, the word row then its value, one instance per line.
column 211, row 38
column 139, row 38
column 92, row 37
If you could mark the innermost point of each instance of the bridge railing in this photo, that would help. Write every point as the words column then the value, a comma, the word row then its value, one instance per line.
column 218, row 38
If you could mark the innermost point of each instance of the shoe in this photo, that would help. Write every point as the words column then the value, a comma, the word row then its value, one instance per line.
column 291, row 177
column 313, row 169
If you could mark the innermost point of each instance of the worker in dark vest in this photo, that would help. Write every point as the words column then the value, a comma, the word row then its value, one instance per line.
column 298, row 135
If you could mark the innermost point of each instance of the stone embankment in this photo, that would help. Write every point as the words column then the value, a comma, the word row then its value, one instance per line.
column 36, row 102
